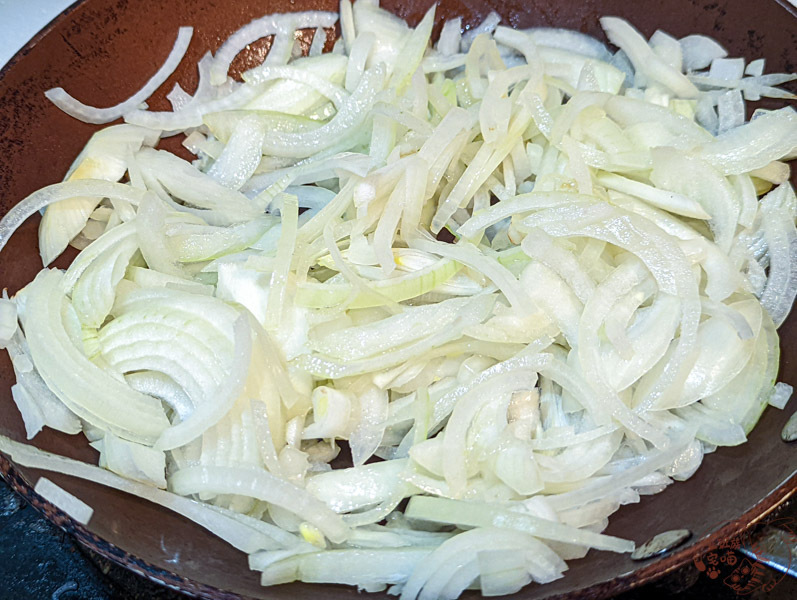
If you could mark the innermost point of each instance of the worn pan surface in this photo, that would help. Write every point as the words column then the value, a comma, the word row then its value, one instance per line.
column 102, row 50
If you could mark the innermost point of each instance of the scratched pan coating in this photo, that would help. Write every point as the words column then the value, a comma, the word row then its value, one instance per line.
column 103, row 50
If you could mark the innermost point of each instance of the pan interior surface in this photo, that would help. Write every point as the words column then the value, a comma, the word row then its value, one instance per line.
column 105, row 49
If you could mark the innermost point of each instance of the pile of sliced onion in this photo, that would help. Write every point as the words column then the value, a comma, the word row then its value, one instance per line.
column 621, row 247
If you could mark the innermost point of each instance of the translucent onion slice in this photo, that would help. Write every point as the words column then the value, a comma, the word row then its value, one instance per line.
column 622, row 34
column 434, row 576
column 89, row 391
column 260, row 28
column 63, row 191
column 90, row 114
column 475, row 514
column 262, row 485
column 70, row 504
column 346, row 566
column 229, row 388
column 238, row 530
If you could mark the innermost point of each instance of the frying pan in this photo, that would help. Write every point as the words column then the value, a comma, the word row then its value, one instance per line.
column 102, row 50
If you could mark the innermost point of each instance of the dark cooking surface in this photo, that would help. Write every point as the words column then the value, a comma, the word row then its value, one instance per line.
column 39, row 561
column 103, row 49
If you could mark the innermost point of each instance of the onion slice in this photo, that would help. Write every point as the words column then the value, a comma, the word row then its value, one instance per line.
column 91, row 114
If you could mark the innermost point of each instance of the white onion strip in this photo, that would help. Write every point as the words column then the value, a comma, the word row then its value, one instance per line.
column 221, row 523
column 257, row 483
column 260, row 28
column 91, row 114
column 94, row 188
column 70, row 504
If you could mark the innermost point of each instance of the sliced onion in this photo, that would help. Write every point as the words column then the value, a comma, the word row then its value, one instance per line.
column 263, row 486
column 90, row 114
column 70, row 504
column 781, row 395
column 644, row 59
column 700, row 51
column 260, row 28
column 472, row 514
column 92, row 393
column 237, row 530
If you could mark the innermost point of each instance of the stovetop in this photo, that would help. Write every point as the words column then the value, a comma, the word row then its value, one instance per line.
column 39, row 561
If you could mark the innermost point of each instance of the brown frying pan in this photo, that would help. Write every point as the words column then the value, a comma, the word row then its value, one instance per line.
column 103, row 50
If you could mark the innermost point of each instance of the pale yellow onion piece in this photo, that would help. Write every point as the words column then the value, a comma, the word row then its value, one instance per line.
column 62, row 191
column 8, row 321
column 622, row 34
column 475, row 514
column 133, row 461
column 103, row 158
column 70, row 504
column 260, row 484
column 242, row 532
column 86, row 389
column 219, row 402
